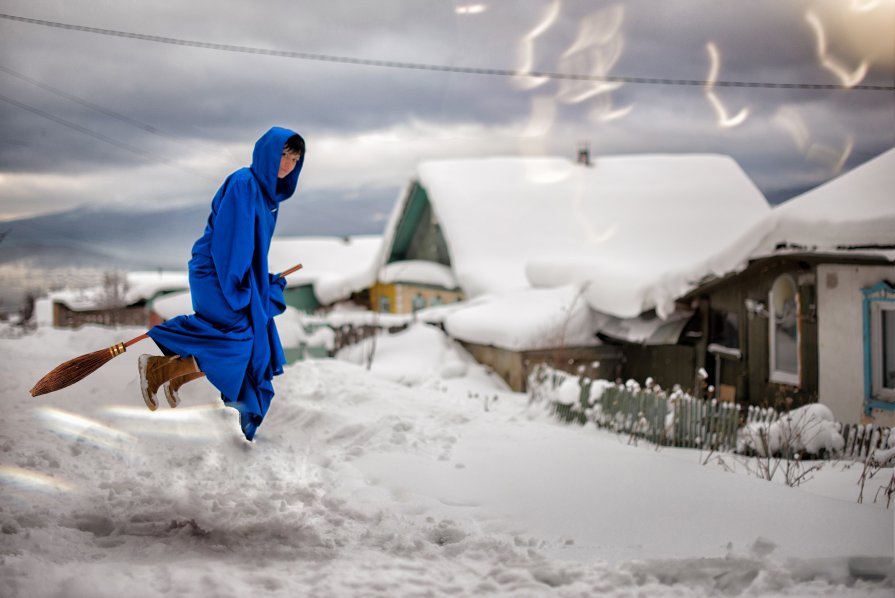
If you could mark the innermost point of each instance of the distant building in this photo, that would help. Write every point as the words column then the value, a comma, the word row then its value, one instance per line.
column 122, row 301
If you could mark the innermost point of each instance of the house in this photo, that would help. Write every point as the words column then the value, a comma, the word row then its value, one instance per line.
column 334, row 269
column 810, row 315
column 545, row 251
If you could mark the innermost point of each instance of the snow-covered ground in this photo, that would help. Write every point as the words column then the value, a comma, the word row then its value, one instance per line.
column 422, row 476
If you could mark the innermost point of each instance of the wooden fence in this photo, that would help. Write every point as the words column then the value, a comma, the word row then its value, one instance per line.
column 675, row 419
column 860, row 439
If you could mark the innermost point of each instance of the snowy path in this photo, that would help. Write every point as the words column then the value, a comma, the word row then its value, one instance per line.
column 357, row 486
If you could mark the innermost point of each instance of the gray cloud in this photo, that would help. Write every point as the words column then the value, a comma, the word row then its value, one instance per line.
column 208, row 106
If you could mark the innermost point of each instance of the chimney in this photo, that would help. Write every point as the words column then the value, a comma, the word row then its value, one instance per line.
column 584, row 154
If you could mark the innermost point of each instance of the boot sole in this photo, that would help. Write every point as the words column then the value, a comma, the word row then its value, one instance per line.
column 172, row 397
column 150, row 400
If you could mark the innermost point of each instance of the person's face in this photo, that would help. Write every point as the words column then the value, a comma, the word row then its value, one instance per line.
column 287, row 163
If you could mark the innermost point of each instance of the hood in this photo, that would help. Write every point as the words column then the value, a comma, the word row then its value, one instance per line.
column 266, row 165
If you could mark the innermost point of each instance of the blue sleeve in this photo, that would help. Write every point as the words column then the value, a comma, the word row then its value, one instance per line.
column 277, row 300
column 233, row 244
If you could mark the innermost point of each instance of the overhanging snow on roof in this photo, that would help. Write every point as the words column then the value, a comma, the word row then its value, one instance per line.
column 526, row 320
column 647, row 328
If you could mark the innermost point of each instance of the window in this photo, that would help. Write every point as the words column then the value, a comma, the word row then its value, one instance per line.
column 879, row 342
column 784, row 336
column 887, row 349
column 725, row 329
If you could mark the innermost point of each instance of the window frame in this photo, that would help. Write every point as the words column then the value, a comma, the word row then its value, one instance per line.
column 877, row 299
column 775, row 375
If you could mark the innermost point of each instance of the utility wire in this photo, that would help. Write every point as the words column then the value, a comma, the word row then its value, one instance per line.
column 99, row 136
column 85, row 103
column 93, row 106
column 438, row 67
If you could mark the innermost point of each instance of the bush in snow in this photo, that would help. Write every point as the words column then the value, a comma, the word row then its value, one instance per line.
column 808, row 430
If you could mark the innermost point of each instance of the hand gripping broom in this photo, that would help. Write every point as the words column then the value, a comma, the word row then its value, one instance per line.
column 75, row 370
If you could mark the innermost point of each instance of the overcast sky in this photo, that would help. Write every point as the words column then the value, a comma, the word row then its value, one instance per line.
column 88, row 118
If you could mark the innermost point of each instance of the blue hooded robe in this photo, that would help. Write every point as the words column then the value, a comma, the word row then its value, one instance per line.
column 232, row 334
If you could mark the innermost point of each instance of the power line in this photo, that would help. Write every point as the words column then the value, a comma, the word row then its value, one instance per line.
column 85, row 103
column 93, row 106
column 98, row 136
column 438, row 67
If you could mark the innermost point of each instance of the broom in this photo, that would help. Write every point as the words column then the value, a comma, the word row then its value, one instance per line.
column 75, row 370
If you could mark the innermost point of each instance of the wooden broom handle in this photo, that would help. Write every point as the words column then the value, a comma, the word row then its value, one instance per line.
column 135, row 340
column 145, row 336
column 290, row 271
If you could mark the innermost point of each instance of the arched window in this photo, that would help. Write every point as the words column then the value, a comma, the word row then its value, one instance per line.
column 784, row 335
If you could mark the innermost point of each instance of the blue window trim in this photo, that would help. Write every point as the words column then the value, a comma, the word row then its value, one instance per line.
column 881, row 292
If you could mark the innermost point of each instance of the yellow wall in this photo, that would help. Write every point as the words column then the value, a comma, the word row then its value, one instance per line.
column 399, row 298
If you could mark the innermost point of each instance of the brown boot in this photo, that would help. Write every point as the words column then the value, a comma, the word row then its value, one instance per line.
column 155, row 371
column 172, row 386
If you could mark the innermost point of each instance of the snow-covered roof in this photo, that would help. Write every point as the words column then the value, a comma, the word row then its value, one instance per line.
column 856, row 209
column 173, row 305
column 635, row 231
column 141, row 286
column 146, row 285
column 853, row 213
column 335, row 266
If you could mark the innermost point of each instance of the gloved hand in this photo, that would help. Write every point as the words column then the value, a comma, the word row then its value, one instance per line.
column 277, row 301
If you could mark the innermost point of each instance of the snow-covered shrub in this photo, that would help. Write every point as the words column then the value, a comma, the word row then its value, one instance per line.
column 808, row 430
column 570, row 396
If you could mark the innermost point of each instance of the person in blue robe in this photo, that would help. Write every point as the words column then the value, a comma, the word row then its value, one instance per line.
column 232, row 337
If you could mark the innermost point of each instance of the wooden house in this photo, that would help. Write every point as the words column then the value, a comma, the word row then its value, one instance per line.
column 810, row 314
column 494, row 232
column 805, row 312
column 803, row 327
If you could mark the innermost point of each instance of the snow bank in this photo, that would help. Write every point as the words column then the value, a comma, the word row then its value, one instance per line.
column 356, row 485
column 418, row 355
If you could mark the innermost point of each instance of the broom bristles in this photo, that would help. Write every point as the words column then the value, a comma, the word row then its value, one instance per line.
column 79, row 368
column 71, row 371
